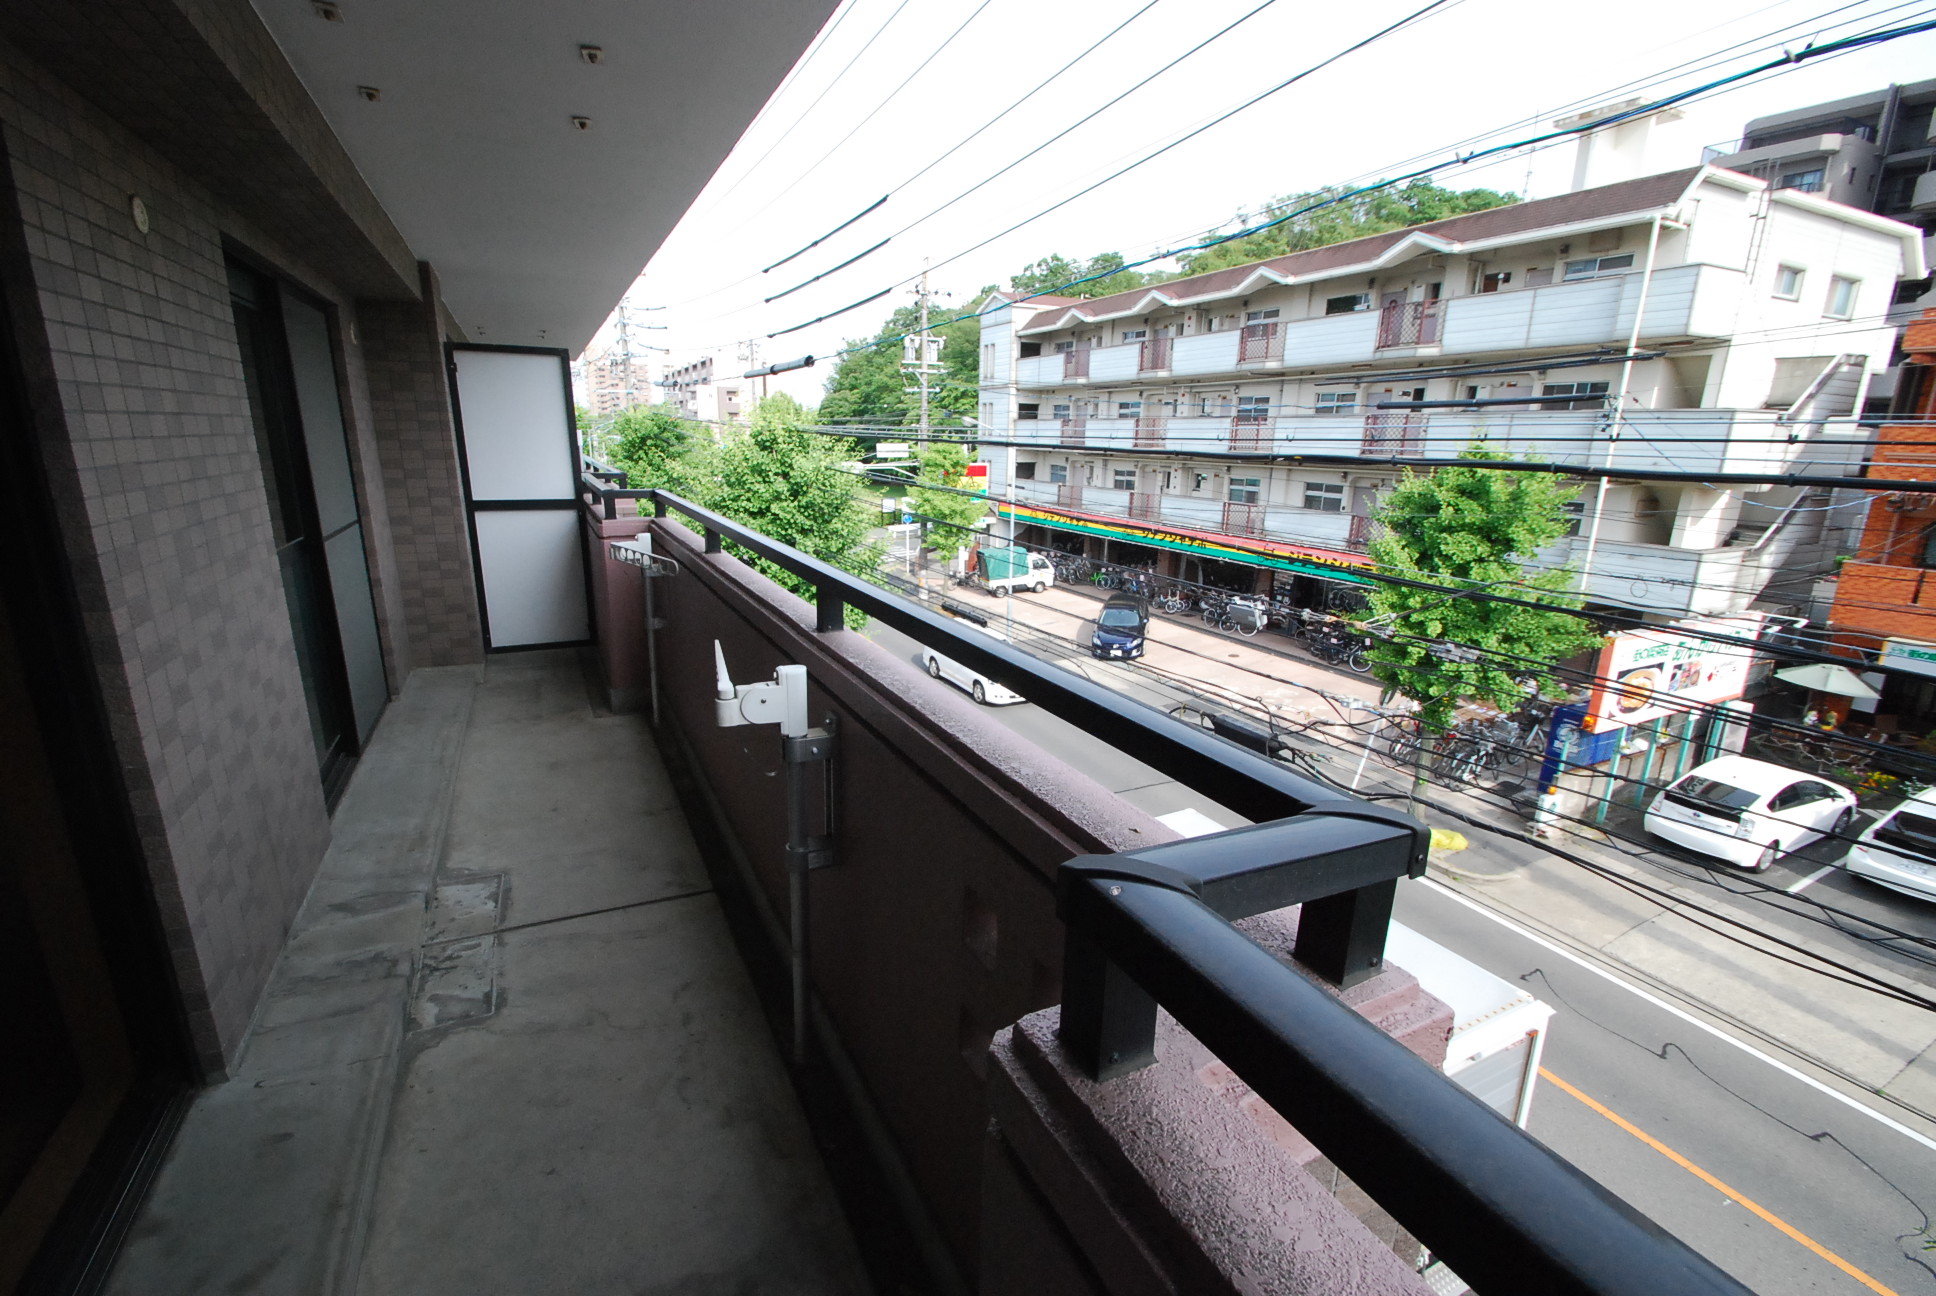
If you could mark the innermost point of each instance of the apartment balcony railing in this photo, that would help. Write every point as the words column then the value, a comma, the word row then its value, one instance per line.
column 1152, row 431
column 1747, row 441
column 1410, row 324
column 1686, row 301
column 1154, row 355
column 1251, row 433
column 1360, row 534
column 1260, row 343
column 1243, row 519
column 1074, row 431
column 1068, row 494
column 1394, row 432
column 1145, row 506
column 904, row 974
column 1075, row 362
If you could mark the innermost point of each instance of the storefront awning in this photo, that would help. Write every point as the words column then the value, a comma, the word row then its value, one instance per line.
column 1324, row 563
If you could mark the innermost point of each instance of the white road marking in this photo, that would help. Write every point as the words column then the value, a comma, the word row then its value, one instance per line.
column 1813, row 878
column 1687, row 1017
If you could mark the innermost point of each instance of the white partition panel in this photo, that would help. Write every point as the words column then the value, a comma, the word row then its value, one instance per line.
column 521, row 466
column 518, row 438
column 534, row 576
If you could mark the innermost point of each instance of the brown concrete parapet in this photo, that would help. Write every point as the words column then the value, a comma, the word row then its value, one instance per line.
column 618, row 610
column 1160, row 1182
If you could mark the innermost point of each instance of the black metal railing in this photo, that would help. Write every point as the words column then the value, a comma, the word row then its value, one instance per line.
column 1154, row 927
column 1495, row 1205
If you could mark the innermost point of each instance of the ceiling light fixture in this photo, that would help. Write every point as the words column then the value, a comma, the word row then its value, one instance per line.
column 592, row 53
column 370, row 92
column 582, row 123
column 328, row 10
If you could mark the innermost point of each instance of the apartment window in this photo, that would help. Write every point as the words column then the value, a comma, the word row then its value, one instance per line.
column 1125, row 479
column 1058, row 474
column 1135, row 335
column 1030, row 350
column 1060, row 411
column 1168, row 478
column 1259, row 316
column 1590, row 267
column 1246, row 490
column 1573, row 396
column 1253, row 409
column 1538, row 276
column 988, row 357
column 1028, row 410
column 1060, row 347
column 1325, row 497
column 1788, row 282
column 1493, row 282
column 1199, row 481
column 1338, row 402
column 1346, row 304
column 1575, row 515
column 1129, row 409
column 1841, row 297
column 1809, row 181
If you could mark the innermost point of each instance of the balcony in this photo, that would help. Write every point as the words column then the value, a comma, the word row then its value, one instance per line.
column 1684, row 301
column 1199, row 513
column 1154, row 355
column 1692, row 440
column 1410, row 324
column 1075, row 364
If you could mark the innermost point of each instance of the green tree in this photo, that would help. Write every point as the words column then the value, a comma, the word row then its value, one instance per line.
column 1468, row 528
column 653, row 445
column 1416, row 203
column 944, row 472
column 868, row 388
column 779, row 477
column 1102, row 274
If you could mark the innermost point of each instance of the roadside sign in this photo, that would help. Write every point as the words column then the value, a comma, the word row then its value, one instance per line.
column 1642, row 675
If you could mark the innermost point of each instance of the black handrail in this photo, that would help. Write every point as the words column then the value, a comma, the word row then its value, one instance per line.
column 1497, row 1206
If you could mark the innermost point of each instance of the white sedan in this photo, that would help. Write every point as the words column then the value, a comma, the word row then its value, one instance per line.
column 984, row 690
column 1899, row 850
column 1749, row 812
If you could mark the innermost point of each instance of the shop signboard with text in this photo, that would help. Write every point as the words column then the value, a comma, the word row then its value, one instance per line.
column 1642, row 675
column 1909, row 655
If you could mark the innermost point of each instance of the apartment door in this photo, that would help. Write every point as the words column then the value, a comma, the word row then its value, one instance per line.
column 290, row 368
column 517, row 434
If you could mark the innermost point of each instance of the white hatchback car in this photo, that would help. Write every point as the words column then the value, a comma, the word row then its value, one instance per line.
column 984, row 690
column 1749, row 812
column 1899, row 849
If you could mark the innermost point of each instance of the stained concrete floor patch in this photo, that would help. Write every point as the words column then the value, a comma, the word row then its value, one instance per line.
column 467, row 908
column 457, row 982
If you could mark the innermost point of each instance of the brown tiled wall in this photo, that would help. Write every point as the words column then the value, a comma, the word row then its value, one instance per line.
column 403, row 355
column 139, row 402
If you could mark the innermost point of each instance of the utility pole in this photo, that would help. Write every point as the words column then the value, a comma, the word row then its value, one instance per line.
column 921, row 354
column 749, row 354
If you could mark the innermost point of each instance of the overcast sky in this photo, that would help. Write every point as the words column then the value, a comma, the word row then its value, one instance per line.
column 1473, row 68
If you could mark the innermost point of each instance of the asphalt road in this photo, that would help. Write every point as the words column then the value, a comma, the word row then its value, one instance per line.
column 1782, row 1181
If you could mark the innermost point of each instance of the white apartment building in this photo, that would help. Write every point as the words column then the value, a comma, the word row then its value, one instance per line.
column 700, row 394
column 1177, row 424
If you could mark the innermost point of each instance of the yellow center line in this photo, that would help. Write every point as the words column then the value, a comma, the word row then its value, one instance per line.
column 1723, row 1188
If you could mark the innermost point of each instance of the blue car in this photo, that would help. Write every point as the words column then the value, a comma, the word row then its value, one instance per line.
column 1122, row 627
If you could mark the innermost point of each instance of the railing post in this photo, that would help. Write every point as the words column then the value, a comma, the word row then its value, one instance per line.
column 1342, row 937
column 829, row 609
column 712, row 541
column 659, row 509
column 611, row 504
column 1108, row 1021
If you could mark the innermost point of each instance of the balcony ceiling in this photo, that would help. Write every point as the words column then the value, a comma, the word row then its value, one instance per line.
column 537, row 228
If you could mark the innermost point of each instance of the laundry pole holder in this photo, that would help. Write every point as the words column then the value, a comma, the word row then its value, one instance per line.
column 783, row 701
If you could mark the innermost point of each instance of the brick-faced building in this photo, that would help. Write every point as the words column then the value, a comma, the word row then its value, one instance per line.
column 1885, row 596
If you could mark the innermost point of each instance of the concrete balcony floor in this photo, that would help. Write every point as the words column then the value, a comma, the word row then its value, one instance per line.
column 509, row 1045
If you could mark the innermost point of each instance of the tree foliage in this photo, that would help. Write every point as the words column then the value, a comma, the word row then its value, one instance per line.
column 785, row 481
column 1101, row 275
column 1469, row 528
column 1415, row 203
column 868, row 388
column 944, row 471
column 652, row 445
